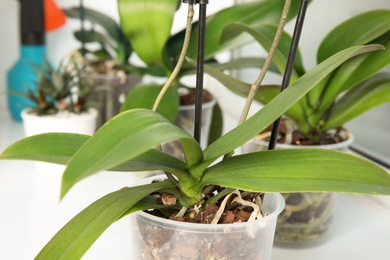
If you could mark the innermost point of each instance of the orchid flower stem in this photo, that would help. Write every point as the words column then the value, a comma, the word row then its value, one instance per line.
column 176, row 71
column 180, row 62
column 267, row 63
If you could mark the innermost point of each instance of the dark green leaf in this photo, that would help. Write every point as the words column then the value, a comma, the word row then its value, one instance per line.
column 216, row 125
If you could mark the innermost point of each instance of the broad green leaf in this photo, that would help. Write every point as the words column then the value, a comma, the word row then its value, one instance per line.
column 289, row 171
column 130, row 134
column 356, row 101
column 264, row 34
column 257, row 12
column 144, row 95
column 274, row 109
column 74, row 239
column 147, row 24
column 60, row 147
column 353, row 72
column 361, row 29
column 49, row 147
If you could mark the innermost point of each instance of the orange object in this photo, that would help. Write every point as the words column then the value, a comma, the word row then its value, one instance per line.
column 54, row 16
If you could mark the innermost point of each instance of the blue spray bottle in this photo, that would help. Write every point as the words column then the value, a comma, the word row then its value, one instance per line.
column 32, row 51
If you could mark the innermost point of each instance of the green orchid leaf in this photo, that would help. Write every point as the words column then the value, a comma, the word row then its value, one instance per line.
column 74, row 239
column 369, row 94
column 361, row 29
column 60, row 147
column 147, row 36
column 216, row 126
column 110, row 26
column 257, row 12
column 144, row 95
column 274, row 109
column 106, row 22
column 288, row 171
column 89, row 36
column 50, row 147
column 264, row 34
column 130, row 134
column 243, row 62
column 353, row 72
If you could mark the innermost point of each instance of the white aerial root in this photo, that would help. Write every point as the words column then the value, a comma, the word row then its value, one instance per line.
column 256, row 214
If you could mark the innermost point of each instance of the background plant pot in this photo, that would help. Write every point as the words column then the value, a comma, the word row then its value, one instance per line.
column 185, row 120
column 307, row 217
column 84, row 123
column 159, row 238
column 109, row 92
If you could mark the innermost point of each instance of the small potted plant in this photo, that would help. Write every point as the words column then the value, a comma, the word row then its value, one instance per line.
column 201, row 188
column 60, row 103
column 104, row 57
column 317, row 119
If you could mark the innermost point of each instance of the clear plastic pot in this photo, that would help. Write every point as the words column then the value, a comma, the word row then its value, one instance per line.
column 159, row 238
column 307, row 217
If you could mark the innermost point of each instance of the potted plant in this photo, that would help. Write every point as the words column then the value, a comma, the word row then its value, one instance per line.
column 162, row 50
column 60, row 103
column 317, row 119
column 201, row 181
column 104, row 57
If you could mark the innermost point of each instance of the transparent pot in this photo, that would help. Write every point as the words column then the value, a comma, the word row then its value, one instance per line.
column 185, row 120
column 307, row 217
column 159, row 238
column 109, row 93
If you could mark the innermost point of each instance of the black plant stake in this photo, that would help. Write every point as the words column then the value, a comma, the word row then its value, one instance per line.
column 200, row 68
column 289, row 66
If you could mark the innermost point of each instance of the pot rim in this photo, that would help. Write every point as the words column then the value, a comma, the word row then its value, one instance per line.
column 336, row 146
column 206, row 105
column 90, row 113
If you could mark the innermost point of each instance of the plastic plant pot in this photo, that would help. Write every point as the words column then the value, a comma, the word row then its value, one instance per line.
column 307, row 217
column 159, row 238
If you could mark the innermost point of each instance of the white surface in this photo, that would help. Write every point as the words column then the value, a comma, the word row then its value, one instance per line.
column 31, row 214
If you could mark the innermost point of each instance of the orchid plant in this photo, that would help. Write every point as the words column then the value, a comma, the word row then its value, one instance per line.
column 120, row 145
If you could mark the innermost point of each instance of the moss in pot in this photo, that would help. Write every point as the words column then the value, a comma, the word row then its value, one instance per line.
column 127, row 142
